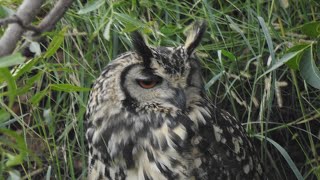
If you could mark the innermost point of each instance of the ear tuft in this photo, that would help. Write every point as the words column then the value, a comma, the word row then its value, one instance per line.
column 141, row 48
column 194, row 36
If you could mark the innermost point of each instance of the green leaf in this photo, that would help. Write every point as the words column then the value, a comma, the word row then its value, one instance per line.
column 11, row 60
column 37, row 97
column 284, row 153
column 5, row 75
column 14, row 159
column 29, row 83
column 5, row 11
column 169, row 29
column 130, row 28
column 120, row 3
column 308, row 69
column 294, row 62
column 55, row 43
column 287, row 57
column 68, row 88
column 4, row 116
column 26, row 67
column 311, row 29
column 229, row 55
column 15, row 141
column 48, row 174
column 106, row 32
column 14, row 175
column 268, row 39
column 235, row 27
column 129, row 20
column 91, row 6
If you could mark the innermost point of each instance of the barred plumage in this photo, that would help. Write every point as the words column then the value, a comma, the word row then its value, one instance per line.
column 148, row 117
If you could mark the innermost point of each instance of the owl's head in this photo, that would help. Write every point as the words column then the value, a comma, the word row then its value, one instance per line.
column 165, row 73
column 173, row 61
column 162, row 79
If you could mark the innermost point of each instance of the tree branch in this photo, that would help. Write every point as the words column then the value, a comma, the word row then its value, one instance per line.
column 16, row 19
column 56, row 13
column 26, row 12
column 19, row 23
column 9, row 20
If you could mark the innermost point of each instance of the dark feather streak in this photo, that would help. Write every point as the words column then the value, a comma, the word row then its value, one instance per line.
column 141, row 48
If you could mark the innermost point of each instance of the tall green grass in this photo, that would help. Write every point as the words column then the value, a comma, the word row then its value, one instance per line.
column 259, row 60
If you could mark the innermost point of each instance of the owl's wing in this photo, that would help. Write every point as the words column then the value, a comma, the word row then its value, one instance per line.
column 227, row 152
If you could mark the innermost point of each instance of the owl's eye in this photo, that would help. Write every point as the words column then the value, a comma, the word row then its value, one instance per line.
column 148, row 83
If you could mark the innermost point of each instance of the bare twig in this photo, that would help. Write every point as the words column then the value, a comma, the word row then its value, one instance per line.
column 9, row 20
column 16, row 19
column 24, row 17
column 56, row 13
column 26, row 11
column 48, row 23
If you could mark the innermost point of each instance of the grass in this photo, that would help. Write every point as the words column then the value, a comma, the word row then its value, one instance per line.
column 245, row 58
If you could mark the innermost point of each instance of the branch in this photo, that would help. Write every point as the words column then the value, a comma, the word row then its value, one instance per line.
column 56, row 13
column 16, row 19
column 26, row 12
column 47, row 24
column 24, row 17
column 9, row 20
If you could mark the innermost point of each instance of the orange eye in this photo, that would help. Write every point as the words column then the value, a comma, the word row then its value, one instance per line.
column 147, row 84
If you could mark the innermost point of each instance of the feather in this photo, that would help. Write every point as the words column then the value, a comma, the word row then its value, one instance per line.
column 141, row 48
column 194, row 36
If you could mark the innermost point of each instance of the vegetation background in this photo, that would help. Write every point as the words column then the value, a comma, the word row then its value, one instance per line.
column 259, row 57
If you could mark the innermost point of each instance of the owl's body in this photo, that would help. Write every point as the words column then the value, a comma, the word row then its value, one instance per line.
column 150, row 119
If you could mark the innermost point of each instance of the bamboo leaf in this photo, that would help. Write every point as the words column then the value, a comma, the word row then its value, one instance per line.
column 5, row 75
column 287, row 57
column 311, row 29
column 26, row 67
column 68, row 88
column 18, row 144
column 229, row 55
column 106, row 32
column 295, row 61
column 55, row 43
column 308, row 69
column 37, row 97
column 29, row 83
column 91, row 6
column 4, row 116
column 129, row 20
column 11, row 60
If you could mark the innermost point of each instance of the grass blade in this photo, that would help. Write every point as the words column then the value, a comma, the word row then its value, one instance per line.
column 11, row 60
column 285, row 155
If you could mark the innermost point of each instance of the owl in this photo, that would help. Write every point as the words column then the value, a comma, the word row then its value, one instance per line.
column 149, row 118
